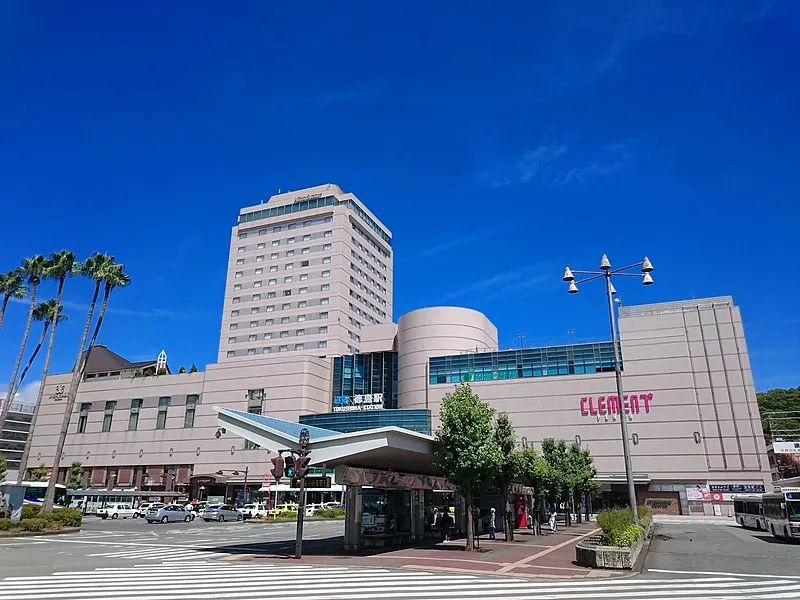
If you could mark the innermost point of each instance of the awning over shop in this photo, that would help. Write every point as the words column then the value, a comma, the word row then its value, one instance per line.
column 387, row 448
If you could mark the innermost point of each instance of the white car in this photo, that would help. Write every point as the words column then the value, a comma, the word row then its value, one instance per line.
column 115, row 511
column 254, row 511
column 312, row 508
column 142, row 509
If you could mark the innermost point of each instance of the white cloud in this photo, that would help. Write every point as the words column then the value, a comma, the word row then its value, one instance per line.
column 27, row 395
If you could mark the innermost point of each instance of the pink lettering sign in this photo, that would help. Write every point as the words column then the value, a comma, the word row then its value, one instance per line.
column 610, row 405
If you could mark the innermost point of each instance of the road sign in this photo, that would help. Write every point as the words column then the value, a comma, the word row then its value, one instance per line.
column 315, row 482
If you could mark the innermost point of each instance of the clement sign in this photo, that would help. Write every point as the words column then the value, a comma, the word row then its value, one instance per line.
column 610, row 405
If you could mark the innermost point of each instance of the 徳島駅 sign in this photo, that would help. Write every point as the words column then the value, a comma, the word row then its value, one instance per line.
column 358, row 403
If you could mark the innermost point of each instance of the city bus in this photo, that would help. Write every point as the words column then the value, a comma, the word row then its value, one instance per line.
column 35, row 491
column 749, row 512
column 782, row 513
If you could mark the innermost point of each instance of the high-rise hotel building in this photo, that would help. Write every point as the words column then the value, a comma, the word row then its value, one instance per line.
column 307, row 270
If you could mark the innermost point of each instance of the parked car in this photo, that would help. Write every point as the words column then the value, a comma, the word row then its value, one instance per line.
column 281, row 509
column 327, row 505
column 168, row 513
column 143, row 507
column 115, row 511
column 254, row 511
column 221, row 512
column 312, row 508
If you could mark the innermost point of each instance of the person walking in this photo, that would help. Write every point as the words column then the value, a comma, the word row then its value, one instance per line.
column 446, row 520
column 491, row 525
column 553, row 525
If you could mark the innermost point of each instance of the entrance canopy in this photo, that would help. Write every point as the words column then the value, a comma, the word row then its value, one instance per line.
column 386, row 448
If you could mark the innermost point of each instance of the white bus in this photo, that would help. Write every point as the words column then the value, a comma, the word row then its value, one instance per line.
column 35, row 491
column 782, row 513
column 749, row 512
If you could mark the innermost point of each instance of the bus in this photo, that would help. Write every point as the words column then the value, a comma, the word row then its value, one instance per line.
column 782, row 513
column 35, row 491
column 749, row 512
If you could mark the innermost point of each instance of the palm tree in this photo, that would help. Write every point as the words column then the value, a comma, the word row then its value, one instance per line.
column 114, row 277
column 95, row 267
column 33, row 269
column 52, row 314
column 48, row 313
column 11, row 286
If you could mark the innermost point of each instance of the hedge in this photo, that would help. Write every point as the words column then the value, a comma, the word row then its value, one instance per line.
column 618, row 528
column 30, row 511
column 330, row 513
column 35, row 524
column 5, row 524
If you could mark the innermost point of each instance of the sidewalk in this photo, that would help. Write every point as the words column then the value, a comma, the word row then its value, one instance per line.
column 547, row 555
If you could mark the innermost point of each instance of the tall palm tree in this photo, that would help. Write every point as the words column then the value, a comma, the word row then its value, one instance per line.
column 11, row 286
column 52, row 314
column 32, row 269
column 115, row 277
column 95, row 267
column 60, row 266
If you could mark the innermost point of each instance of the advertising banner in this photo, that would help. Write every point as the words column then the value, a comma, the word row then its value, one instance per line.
column 699, row 493
column 787, row 459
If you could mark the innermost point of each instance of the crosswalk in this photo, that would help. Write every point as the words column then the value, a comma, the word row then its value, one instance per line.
column 164, row 554
column 171, row 581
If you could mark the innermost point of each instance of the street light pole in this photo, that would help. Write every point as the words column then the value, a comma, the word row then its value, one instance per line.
column 606, row 272
column 246, row 471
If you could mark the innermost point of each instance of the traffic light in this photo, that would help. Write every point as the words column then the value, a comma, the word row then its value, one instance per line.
column 288, row 469
column 277, row 468
column 301, row 466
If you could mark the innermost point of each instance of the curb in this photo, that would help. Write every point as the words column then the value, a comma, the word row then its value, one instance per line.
column 638, row 568
column 16, row 534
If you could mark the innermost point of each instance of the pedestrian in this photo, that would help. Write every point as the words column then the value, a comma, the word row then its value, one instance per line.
column 491, row 525
column 553, row 525
column 446, row 521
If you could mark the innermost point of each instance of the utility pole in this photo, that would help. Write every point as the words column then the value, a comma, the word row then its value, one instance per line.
column 521, row 337
column 300, row 472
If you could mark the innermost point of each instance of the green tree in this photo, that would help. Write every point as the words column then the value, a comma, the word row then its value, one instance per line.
column 555, row 453
column 3, row 469
column 49, row 313
column 93, row 268
column 581, row 474
column 193, row 368
column 12, row 285
column 75, row 476
column 40, row 473
column 508, row 469
column 465, row 450
column 32, row 269
column 536, row 471
column 780, row 413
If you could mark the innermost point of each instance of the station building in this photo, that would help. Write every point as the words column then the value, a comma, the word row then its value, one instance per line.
column 696, row 436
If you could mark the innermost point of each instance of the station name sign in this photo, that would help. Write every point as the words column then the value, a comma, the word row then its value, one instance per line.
column 358, row 403
column 610, row 405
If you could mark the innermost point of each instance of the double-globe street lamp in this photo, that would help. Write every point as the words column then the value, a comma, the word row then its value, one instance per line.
column 607, row 272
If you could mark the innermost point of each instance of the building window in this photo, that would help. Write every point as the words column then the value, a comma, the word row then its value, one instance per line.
column 261, row 246
column 301, row 318
column 253, row 323
column 251, row 351
column 329, row 233
column 237, row 287
column 286, row 306
column 238, row 274
column 274, row 256
column 256, row 296
column 242, row 236
column 267, row 349
column 290, row 240
column 325, row 287
column 283, row 348
column 267, row 336
column 236, row 300
column 326, row 246
column 284, row 320
column 133, row 418
column 323, row 315
column 305, row 250
column 272, row 282
column 270, row 308
column 289, row 266
column 269, row 321
column 326, row 273
column 276, row 243
column 322, row 344
column 302, row 290
column 299, row 346
column 324, row 300
column 191, row 406
column 304, row 263
column 276, row 229
column 235, row 313
column 262, row 232
column 326, row 260
column 271, row 295
column 241, row 249
column 323, row 329
column 108, row 415
column 304, row 277
column 273, row 269
column 287, row 279
column 259, row 271
column 287, row 292
column 284, row 334
column 252, row 337
column 260, row 258
column 240, row 261
column 306, row 237
column 257, row 284
column 299, row 331
column 302, row 304
column 163, row 405
column 231, row 340
column 254, row 310
column 289, row 253
column 292, row 226
column 230, row 354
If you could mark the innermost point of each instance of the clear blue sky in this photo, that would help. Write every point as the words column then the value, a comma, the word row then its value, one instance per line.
column 497, row 141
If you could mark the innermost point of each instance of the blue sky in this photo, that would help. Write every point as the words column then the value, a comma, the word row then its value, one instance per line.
column 497, row 141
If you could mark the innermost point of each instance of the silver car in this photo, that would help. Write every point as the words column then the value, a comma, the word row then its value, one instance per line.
column 221, row 512
column 169, row 514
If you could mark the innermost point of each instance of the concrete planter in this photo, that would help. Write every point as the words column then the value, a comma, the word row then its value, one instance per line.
column 589, row 553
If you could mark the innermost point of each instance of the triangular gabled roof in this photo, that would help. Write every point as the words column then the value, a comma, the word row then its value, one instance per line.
column 103, row 360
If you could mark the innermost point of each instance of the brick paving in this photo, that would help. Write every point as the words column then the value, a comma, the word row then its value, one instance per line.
column 547, row 555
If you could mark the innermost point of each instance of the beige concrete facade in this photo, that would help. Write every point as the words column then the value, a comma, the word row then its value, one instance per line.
column 306, row 280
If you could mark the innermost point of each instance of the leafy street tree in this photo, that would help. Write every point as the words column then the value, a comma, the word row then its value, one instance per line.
column 508, row 469
column 780, row 413
column 40, row 473
column 580, row 473
column 555, row 453
column 3, row 469
column 466, row 452
column 48, row 313
column 32, row 269
column 12, row 285
column 535, row 469
column 75, row 476
column 102, row 269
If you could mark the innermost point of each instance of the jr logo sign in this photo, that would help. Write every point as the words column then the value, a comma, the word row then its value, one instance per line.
column 610, row 405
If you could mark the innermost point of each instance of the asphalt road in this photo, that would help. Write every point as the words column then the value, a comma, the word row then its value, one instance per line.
column 124, row 542
column 719, row 548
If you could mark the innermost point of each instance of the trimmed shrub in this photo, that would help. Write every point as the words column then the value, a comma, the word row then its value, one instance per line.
column 68, row 517
column 30, row 511
column 330, row 513
column 5, row 524
column 618, row 528
column 289, row 515
column 35, row 524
